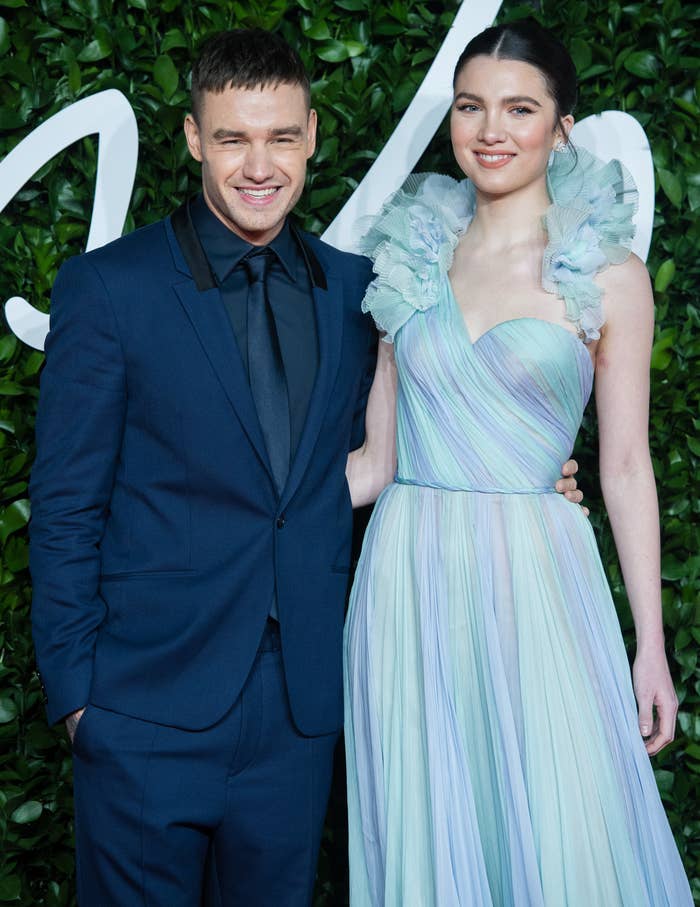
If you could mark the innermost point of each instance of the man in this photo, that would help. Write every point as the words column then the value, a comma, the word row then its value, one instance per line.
column 190, row 538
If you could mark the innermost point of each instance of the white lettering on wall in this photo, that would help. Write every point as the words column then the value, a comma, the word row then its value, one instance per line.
column 109, row 114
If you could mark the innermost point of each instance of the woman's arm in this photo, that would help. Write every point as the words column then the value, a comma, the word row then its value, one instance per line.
column 371, row 467
column 627, row 480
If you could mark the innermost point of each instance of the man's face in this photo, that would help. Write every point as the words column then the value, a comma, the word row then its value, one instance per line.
column 253, row 145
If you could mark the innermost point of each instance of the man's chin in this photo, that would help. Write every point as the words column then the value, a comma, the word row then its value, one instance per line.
column 255, row 227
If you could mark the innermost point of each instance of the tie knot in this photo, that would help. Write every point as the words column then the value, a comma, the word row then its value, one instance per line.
column 257, row 264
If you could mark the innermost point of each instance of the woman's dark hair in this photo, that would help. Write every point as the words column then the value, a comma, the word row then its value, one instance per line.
column 245, row 58
column 528, row 42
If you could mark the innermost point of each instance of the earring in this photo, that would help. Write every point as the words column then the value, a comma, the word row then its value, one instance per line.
column 560, row 147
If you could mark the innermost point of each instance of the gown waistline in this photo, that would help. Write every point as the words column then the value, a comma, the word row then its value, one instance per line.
column 402, row 480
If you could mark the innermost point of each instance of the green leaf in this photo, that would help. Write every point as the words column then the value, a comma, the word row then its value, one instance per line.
column 664, row 780
column 10, row 888
column 8, row 710
column 334, row 52
column 13, row 518
column 693, row 445
column 166, row 75
column 27, row 812
column 664, row 275
column 174, row 37
column 4, row 36
column 316, row 30
column 672, row 569
column 355, row 48
column 581, row 54
column 74, row 76
column 96, row 50
column 10, row 389
column 642, row 63
column 10, row 119
column 8, row 345
column 671, row 185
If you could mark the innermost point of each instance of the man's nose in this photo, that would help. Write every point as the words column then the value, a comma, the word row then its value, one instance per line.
column 258, row 164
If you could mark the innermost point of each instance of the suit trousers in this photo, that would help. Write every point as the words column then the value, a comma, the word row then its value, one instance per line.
column 155, row 805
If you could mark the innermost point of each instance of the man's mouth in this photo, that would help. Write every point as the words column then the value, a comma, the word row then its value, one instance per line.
column 258, row 193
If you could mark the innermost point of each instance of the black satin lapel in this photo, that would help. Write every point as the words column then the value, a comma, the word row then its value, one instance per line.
column 191, row 248
column 316, row 273
column 213, row 328
column 328, row 304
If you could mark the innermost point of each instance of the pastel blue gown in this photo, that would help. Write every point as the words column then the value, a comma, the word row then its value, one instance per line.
column 493, row 750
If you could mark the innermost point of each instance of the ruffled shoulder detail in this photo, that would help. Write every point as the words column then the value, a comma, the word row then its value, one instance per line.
column 589, row 226
column 411, row 242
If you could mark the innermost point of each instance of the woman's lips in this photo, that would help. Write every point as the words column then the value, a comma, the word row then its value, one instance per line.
column 493, row 161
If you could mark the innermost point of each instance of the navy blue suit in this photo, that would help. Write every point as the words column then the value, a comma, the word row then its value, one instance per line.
column 157, row 535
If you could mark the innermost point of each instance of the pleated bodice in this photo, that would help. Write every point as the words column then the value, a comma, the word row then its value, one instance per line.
column 499, row 414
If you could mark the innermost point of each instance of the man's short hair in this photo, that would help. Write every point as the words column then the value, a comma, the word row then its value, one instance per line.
column 246, row 58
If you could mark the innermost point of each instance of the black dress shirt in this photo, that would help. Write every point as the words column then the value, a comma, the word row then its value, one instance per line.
column 290, row 295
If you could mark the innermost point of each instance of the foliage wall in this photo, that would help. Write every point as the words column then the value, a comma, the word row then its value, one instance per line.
column 367, row 58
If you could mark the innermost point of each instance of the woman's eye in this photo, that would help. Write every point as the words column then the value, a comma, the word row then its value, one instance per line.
column 521, row 111
column 468, row 108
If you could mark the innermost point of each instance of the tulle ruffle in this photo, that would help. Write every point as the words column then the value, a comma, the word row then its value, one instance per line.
column 412, row 240
column 589, row 226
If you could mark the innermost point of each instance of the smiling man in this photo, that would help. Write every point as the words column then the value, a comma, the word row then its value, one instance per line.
column 205, row 379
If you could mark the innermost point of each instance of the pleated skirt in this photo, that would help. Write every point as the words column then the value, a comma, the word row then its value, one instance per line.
column 493, row 749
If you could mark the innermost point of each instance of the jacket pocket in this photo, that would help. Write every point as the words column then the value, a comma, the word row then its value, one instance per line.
column 144, row 574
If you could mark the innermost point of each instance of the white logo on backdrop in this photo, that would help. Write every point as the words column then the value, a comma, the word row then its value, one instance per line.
column 109, row 114
column 608, row 135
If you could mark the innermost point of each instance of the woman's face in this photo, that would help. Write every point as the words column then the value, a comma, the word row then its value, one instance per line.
column 503, row 124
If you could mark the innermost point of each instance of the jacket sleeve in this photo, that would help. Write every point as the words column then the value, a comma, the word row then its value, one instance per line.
column 79, row 429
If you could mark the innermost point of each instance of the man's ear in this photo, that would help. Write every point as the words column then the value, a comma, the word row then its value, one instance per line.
column 311, row 133
column 193, row 138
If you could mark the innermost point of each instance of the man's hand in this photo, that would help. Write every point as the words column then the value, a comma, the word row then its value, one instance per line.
column 72, row 723
column 567, row 485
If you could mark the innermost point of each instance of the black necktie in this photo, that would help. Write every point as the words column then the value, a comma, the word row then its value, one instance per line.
column 268, row 382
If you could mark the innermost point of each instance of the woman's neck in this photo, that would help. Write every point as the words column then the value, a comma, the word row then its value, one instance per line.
column 504, row 222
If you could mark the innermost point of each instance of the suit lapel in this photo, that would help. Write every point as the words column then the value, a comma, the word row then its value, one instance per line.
column 201, row 298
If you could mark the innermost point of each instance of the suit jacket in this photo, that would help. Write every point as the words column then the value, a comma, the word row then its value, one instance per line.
column 157, row 535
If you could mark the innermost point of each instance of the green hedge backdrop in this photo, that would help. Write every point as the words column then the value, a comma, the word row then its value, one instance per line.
column 366, row 59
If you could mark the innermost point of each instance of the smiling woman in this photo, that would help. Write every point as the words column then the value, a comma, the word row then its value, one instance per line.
column 252, row 134
column 495, row 752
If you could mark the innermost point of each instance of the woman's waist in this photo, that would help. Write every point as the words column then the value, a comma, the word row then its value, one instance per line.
column 478, row 486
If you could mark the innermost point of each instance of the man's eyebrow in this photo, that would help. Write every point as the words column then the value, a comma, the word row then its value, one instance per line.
column 516, row 99
column 286, row 130
column 223, row 133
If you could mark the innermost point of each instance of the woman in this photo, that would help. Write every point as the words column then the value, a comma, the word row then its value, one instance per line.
column 495, row 755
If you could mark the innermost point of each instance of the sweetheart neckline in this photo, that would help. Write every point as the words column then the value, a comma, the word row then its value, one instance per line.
column 499, row 324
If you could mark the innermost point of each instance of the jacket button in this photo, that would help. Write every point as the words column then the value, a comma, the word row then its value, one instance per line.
column 280, row 522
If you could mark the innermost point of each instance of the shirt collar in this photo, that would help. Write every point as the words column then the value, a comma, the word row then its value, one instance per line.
column 225, row 249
